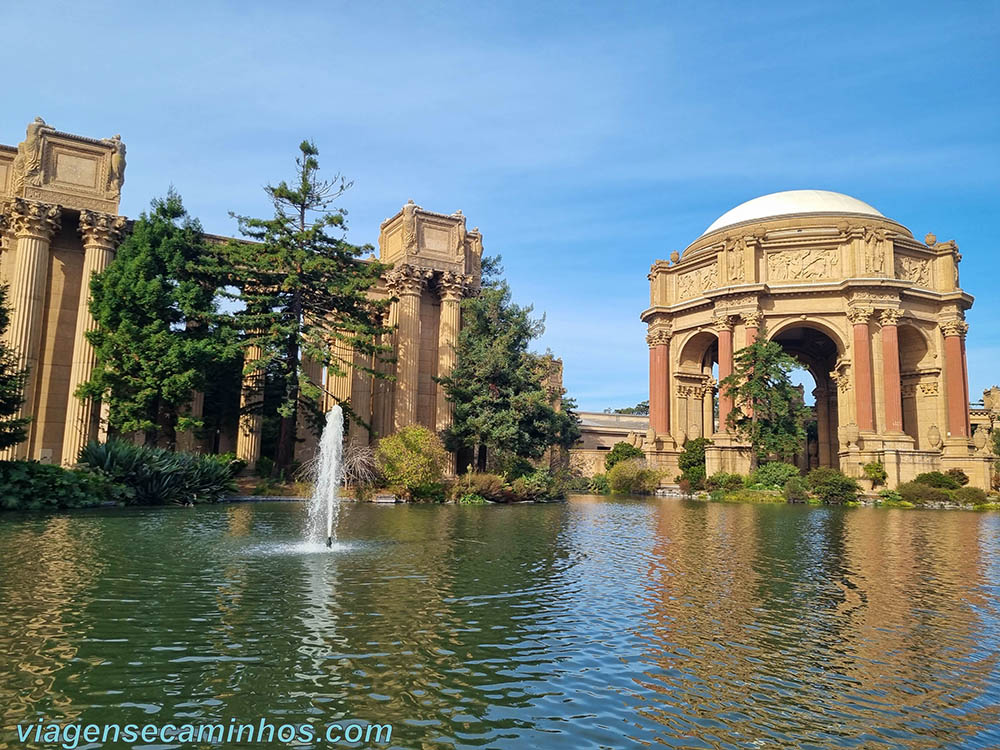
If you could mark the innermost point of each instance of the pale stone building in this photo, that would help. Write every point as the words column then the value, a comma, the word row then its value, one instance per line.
column 875, row 315
column 59, row 224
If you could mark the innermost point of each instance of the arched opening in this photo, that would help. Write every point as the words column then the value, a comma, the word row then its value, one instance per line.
column 919, row 383
column 696, row 405
column 817, row 352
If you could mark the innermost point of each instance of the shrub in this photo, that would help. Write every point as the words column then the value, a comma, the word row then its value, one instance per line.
column 633, row 477
column 772, row 475
column 491, row 487
column 692, row 462
column 414, row 459
column 599, row 484
column 29, row 485
column 938, row 480
column 922, row 494
column 541, row 484
column 890, row 496
column 471, row 498
column 796, row 490
column 832, row 486
column 621, row 451
column 752, row 496
column 154, row 476
column 576, row 485
column 876, row 472
column 970, row 496
column 724, row 481
column 959, row 476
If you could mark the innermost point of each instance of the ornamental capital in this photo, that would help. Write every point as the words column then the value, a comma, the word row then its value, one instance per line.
column 98, row 228
column 659, row 336
column 723, row 321
column 452, row 286
column 954, row 328
column 753, row 318
column 890, row 317
column 405, row 279
column 859, row 315
column 29, row 218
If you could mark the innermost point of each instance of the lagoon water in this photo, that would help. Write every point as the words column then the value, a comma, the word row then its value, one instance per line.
column 597, row 623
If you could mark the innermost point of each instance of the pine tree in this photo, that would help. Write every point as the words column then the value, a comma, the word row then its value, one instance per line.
column 497, row 386
column 302, row 290
column 155, row 342
column 768, row 411
column 13, row 429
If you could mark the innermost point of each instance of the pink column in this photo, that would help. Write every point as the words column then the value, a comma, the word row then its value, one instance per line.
column 724, row 328
column 890, row 358
column 659, row 376
column 859, row 316
column 954, row 361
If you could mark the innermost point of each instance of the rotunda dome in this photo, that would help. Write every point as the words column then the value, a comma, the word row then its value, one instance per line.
column 793, row 203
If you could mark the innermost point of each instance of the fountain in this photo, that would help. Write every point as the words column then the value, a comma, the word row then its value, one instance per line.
column 325, row 503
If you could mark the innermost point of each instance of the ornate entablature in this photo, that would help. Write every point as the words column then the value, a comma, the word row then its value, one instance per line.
column 431, row 240
column 61, row 169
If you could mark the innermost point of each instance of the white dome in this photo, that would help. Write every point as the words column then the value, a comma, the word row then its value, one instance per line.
column 790, row 203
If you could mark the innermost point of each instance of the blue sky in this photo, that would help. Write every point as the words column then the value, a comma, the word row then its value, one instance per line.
column 584, row 139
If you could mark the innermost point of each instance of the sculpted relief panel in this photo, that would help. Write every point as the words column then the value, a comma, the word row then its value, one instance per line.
column 695, row 282
column 915, row 270
column 813, row 263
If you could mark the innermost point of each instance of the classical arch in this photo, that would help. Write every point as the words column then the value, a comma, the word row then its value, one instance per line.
column 873, row 313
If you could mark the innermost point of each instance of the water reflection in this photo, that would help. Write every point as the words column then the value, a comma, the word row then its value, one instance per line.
column 596, row 623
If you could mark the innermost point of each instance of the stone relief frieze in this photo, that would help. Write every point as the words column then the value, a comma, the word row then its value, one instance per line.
column 812, row 263
column 695, row 282
column 916, row 270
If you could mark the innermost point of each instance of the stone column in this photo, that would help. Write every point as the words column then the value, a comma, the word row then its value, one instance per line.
column 33, row 224
column 308, row 440
column 890, row 377
column 385, row 387
column 451, row 290
column 752, row 321
column 410, row 284
column 659, row 380
column 821, row 394
column 859, row 317
column 958, row 404
column 338, row 387
column 101, row 233
column 251, row 419
column 724, row 329
column 361, row 399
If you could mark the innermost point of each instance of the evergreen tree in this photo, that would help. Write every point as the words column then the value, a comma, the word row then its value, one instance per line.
column 154, row 340
column 13, row 429
column 768, row 411
column 303, row 289
column 497, row 386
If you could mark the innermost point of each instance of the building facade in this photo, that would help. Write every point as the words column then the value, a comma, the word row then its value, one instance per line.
column 876, row 316
column 59, row 224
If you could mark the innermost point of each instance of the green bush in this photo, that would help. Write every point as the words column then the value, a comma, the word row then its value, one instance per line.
column 599, row 484
column 832, row 486
column 959, row 476
column 723, row 481
column 29, row 485
column 154, row 476
column 471, row 498
column 491, row 487
column 923, row 494
column 576, row 485
column 890, row 496
column 876, row 472
column 750, row 496
column 621, row 452
column 413, row 459
column 633, row 477
column 938, row 480
column 541, row 484
column 970, row 496
column 692, row 463
column 772, row 475
column 796, row 490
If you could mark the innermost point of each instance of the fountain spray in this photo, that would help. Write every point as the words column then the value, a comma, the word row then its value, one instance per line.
column 325, row 503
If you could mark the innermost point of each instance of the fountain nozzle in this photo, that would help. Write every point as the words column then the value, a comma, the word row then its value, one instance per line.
column 329, row 541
